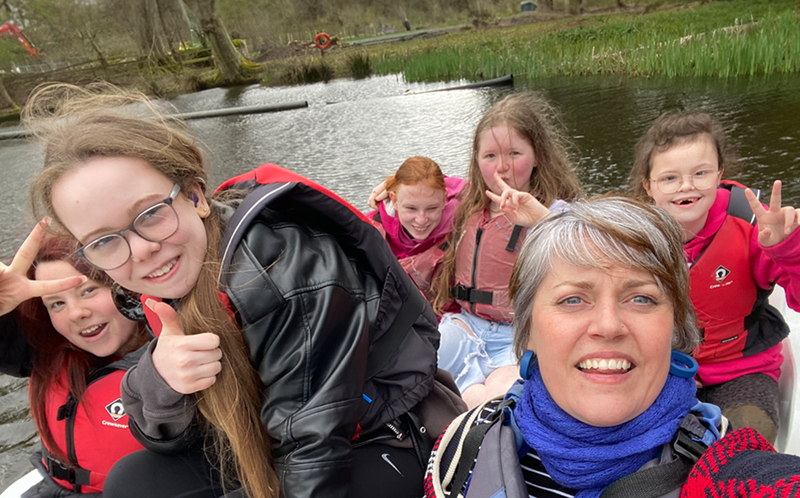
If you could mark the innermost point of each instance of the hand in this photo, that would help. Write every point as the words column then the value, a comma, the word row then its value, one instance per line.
column 188, row 363
column 16, row 287
column 521, row 208
column 378, row 195
column 776, row 223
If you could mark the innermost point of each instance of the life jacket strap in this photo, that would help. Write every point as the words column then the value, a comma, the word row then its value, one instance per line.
column 471, row 295
column 58, row 470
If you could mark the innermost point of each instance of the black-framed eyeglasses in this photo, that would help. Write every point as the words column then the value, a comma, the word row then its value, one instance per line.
column 156, row 223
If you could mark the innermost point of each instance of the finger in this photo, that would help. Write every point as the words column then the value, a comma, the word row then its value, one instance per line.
column 494, row 197
column 755, row 204
column 40, row 288
column 206, row 342
column 790, row 219
column 500, row 182
column 775, row 199
column 30, row 248
column 168, row 316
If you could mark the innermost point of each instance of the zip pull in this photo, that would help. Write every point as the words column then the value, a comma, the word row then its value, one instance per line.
column 398, row 434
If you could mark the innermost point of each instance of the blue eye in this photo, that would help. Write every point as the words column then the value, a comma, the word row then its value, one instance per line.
column 643, row 300
column 669, row 178
column 109, row 243
column 572, row 300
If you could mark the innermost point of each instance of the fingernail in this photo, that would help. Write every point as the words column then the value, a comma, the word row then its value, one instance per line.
column 151, row 303
column 46, row 221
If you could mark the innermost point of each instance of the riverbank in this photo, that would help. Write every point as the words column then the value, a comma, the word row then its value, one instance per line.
column 730, row 38
column 672, row 38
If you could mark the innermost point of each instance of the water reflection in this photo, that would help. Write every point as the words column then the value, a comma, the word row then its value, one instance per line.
column 355, row 133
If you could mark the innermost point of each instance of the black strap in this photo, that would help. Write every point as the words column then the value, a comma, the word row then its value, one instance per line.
column 663, row 479
column 512, row 242
column 472, row 444
column 739, row 206
column 58, row 470
column 471, row 295
column 650, row 483
column 387, row 345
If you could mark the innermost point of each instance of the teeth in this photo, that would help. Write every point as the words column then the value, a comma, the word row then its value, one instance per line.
column 164, row 269
column 90, row 330
column 603, row 364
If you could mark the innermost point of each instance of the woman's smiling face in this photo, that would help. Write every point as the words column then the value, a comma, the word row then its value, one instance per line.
column 603, row 341
column 106, row 194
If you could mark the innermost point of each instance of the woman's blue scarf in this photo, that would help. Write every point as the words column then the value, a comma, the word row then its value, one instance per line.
column 588, row 458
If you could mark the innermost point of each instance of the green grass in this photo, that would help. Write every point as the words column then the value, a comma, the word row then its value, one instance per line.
column 767, row 41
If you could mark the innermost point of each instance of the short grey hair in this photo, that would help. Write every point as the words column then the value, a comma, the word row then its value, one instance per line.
column 600, row 233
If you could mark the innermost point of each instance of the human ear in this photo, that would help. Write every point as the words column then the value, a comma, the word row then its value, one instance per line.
column 647, row 187
column 199, row 200
column 393, row 198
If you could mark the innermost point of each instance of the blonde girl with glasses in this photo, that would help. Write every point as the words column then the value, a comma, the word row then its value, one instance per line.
column 293, row 347
column 737, row 249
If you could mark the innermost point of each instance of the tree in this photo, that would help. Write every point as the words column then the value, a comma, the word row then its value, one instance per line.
column 229, row 62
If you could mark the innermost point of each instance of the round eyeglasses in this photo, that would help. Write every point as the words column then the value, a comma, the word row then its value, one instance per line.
column 669, row 183
column 156, row 223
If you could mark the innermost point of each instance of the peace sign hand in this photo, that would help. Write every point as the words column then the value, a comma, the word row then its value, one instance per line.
column 16, row 287
column 776, row 223
column 521, row 208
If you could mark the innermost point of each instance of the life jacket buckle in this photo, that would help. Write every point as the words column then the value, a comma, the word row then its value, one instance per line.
column 687, row 447
column 57, row 470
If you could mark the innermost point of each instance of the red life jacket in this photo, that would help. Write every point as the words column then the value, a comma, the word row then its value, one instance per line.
column 422, row 265
column 728, row 303
column 485, row 257
column 93, row 434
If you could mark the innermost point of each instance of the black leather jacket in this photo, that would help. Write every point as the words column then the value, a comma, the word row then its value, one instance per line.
column 315, row 289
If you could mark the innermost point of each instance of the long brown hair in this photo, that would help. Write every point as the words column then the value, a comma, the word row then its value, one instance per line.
column 76, row 124
column 53, row 354
column 553, row 178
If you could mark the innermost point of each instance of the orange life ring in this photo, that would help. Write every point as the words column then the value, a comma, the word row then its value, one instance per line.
column 322, row 41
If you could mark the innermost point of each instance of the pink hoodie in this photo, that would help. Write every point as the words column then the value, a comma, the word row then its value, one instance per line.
column 401, row 243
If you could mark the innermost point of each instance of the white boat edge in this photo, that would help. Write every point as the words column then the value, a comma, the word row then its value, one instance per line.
column 22, row 484
column 788, row 440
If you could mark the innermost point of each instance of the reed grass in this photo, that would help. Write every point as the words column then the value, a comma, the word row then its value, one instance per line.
column 761, row 37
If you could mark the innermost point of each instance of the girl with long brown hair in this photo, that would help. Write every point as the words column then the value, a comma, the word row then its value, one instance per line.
column 285, row 341
column 519, row 171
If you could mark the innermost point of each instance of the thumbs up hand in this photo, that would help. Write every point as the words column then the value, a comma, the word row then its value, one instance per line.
column 188, row 363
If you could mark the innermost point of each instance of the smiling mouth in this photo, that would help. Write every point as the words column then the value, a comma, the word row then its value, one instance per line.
column 92, row 331
column 685, row 202
column 605, row 366
column 163, row 270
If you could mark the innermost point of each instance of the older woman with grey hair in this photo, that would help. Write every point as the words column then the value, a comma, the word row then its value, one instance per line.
column 602, row 323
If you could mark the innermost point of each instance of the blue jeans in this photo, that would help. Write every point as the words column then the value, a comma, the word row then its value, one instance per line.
column 471, row 357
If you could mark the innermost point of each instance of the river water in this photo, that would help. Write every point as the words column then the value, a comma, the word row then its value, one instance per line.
column 354, row 133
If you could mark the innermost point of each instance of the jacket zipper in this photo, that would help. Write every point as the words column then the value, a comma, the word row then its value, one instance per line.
column 478, row 234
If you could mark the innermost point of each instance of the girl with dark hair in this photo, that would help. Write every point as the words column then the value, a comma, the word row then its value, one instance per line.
column 738, row 249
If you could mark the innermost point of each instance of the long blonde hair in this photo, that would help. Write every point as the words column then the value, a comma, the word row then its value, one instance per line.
column 553, row 178
column 76, row 124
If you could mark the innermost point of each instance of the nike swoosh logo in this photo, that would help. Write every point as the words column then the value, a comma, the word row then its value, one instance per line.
column 385, row 457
